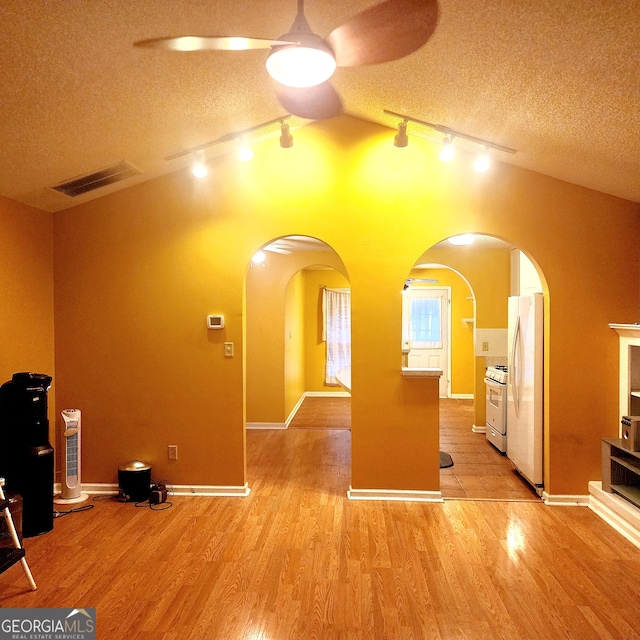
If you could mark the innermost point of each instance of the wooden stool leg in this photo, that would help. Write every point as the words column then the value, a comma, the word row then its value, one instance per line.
column 16, row 541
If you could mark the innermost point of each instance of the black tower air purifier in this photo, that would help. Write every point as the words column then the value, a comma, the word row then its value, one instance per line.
column 26, row 456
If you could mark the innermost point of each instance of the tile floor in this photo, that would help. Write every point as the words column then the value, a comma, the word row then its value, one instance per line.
column 479, row 472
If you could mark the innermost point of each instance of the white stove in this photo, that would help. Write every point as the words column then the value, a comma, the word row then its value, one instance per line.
column 497, row 373
column 496, row 383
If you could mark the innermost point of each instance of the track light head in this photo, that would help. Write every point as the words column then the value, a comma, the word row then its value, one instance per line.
column 401, row 139
column 448, row 150
column 483, row 161
column 245, row 153
column 199, row 167
column 286, row 139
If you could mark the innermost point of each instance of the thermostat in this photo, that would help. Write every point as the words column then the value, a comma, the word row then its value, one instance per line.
column 215, row 322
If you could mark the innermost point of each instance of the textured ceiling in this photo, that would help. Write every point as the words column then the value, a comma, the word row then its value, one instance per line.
column 559, row 81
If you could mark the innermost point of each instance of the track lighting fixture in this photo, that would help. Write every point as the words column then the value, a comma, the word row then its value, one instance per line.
column 245, row 154
column 448, row 150
column 199, row 167
column 401, row 139
column 286, row 139
column 483, row 161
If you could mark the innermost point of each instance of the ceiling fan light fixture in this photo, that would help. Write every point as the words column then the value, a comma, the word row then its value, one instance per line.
column 307, row 64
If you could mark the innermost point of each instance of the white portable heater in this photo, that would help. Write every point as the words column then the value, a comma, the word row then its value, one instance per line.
column 71, row 487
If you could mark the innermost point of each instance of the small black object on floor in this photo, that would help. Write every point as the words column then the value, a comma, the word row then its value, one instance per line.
column 445, row 460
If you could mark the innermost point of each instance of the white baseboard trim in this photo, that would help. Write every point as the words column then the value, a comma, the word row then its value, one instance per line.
column 294, row 411
column 211, row 490
column 326, row 394
column 615, row 511
column 266, row 425
column 565, row 500
column 476, row 429
column 178, row 490
column 395, row 494
column 462, row 396
column 100, row 488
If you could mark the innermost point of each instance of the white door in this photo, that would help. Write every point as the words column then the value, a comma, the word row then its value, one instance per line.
column 425, row 330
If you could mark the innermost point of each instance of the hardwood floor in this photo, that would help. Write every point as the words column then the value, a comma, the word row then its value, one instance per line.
column 323, row 413
column 479, row 472
column 298, row 560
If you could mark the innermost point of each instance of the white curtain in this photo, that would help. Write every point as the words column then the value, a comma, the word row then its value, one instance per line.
column 336, row 331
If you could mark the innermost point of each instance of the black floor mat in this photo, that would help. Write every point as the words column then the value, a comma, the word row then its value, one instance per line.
column 445, row 460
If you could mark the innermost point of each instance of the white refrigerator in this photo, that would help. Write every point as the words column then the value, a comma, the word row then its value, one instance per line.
column 525, row 423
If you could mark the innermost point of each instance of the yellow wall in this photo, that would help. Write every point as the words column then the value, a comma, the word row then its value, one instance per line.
column 294, row 342
column 26, row 295
column 150, row 262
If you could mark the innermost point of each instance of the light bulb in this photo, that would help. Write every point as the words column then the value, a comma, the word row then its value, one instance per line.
column 245, row 154
column 259, row 257
column 464, row 239
column 199, row 168
column 483, row 161
column 300, row 67
column 448, row 150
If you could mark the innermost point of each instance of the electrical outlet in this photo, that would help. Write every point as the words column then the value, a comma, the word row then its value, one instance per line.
column 172, row 452
column 485, row 346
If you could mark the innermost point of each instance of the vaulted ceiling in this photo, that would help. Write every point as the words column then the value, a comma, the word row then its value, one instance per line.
column 556, row 80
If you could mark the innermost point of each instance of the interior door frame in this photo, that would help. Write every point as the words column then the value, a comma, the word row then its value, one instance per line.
column 445, row 317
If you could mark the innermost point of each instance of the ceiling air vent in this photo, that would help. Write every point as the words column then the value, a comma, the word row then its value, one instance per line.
column 90, row 182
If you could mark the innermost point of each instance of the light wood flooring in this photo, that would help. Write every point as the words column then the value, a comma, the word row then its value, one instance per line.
column 323, row 413
column 297, row 560
column 479, row 472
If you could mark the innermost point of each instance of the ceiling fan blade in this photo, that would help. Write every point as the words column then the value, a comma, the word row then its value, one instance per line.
column 387, row 31
column 312, row 103
column 209, row 43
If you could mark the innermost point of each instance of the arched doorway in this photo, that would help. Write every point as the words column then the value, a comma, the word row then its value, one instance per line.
column 490, row 271
column 286, row 352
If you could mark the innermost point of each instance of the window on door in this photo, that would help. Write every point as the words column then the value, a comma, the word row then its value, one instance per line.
column 425, row 327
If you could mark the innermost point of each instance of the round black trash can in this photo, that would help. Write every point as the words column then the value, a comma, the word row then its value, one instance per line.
column 134, row 481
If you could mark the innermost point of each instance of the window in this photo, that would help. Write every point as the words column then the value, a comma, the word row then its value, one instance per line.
column 425, row 331
column 336, row 304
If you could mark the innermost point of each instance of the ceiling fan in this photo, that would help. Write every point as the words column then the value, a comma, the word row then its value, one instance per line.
column 302, row 62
